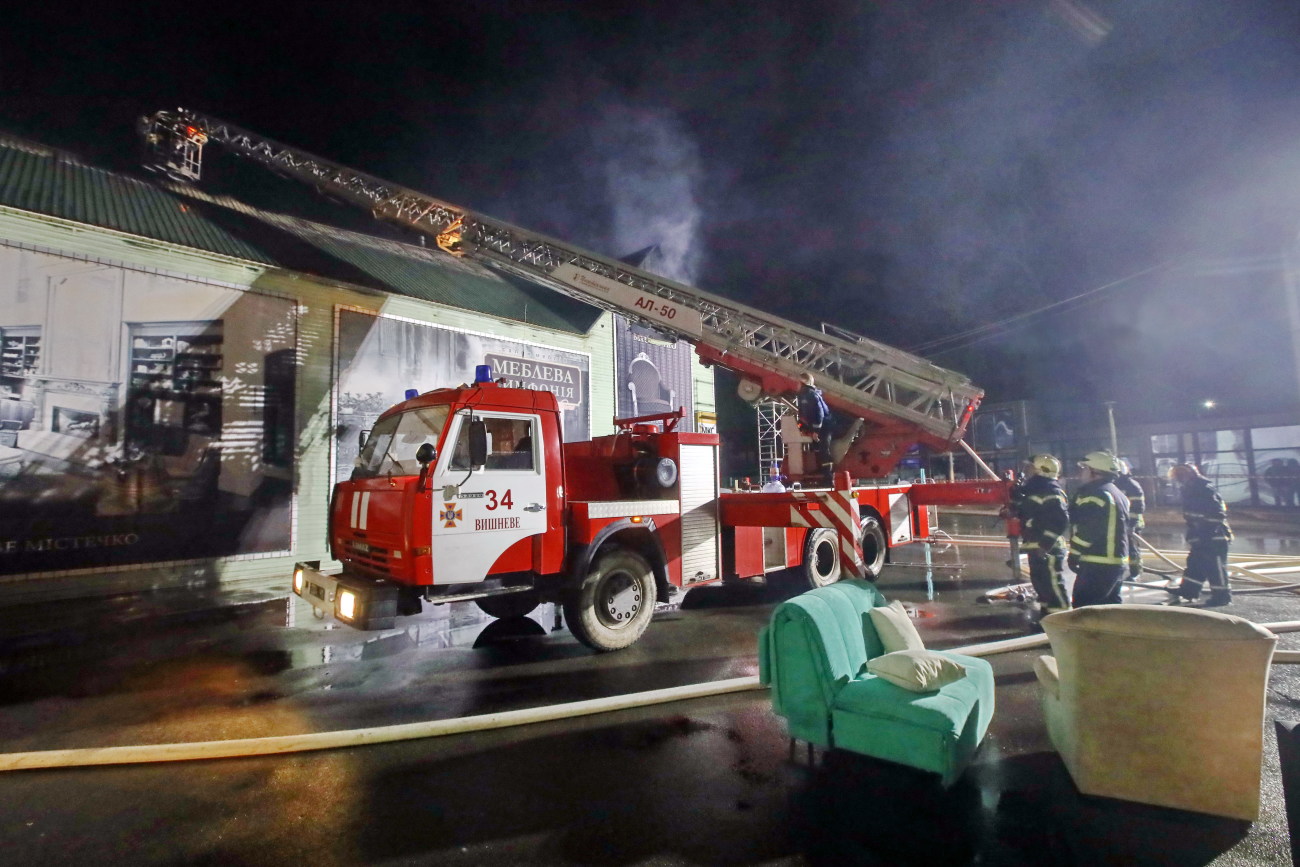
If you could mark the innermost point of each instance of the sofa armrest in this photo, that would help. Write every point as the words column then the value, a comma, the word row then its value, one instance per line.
column 1048, row 676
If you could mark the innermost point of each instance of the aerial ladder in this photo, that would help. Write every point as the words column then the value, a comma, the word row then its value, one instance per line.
column 895, row 399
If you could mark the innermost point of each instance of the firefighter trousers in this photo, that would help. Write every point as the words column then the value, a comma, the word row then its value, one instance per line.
column 1045, row 574
column 1207, row 562
column 1098, row 584
column 1134, row 550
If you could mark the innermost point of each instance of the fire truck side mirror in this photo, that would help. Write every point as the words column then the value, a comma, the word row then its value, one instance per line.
column 426, row 454
column 477, row 443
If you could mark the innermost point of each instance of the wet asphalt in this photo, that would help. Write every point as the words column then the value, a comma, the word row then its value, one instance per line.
column 708, row 781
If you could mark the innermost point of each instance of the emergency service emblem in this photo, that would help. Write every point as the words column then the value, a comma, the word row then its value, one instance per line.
column 450, row 515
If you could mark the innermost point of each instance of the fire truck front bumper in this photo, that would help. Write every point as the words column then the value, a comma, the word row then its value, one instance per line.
column 360, row 602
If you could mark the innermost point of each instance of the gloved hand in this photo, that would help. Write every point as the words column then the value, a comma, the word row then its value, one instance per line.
column 1073, row 562
column 1141, row 523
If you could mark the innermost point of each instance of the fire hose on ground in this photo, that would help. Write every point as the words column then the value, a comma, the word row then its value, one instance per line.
column 1252, row 569
column 300, row 743
column 282, row 744
column 308, row 742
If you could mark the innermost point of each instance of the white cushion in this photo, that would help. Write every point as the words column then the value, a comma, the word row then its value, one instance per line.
column 916, row 670
column 895, row 627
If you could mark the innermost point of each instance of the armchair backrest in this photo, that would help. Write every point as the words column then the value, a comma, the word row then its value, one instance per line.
column 1143, row 687
column 817, row 642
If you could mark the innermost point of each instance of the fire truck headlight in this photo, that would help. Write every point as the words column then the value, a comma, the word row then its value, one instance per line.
column 297, row 581
column 347, row 605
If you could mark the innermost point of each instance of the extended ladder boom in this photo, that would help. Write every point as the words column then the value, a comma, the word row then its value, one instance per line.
column 890, row 388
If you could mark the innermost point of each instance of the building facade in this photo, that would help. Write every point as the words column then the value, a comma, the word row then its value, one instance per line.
column 184, row 377
column 1254, row 461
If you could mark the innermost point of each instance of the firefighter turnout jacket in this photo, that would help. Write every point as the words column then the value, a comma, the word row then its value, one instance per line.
column 1044, row 515
column 1099, row 516
column 1205, row 512
column 814, row 414
column 1137, row 498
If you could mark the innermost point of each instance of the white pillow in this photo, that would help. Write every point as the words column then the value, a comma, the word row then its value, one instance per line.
column 895, row 628
column 916, row 670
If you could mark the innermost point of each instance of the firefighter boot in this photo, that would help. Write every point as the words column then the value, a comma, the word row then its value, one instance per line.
column 1219, row 598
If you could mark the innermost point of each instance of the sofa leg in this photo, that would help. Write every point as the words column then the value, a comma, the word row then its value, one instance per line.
column 812, row 756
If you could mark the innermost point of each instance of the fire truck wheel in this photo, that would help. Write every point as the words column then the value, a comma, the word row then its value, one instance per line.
column 509, row 605
column 874, row 547
column 821, row 557
column 615, row 603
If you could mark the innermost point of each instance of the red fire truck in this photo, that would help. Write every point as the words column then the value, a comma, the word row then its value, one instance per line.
column 469, row 493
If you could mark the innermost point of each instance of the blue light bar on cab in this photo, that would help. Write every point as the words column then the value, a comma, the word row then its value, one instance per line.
column 482, row 373
column 412, row 392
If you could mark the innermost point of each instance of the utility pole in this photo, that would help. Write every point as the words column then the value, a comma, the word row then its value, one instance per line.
column 1110, row 415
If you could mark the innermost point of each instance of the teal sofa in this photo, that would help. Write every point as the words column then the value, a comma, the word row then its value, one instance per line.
column 813, row 655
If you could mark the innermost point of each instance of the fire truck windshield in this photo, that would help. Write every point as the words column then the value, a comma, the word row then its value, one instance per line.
column 392, row 444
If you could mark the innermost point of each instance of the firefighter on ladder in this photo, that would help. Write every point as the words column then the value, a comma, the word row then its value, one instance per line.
column 815, row 420
column 1044, row 520
column 1099, row 532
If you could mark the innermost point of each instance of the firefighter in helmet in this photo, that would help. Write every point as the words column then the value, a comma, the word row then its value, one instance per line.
column 815, row 420
column 1044, row 520
column 1099, row 532
column 1208, row 535
column 1137, row 506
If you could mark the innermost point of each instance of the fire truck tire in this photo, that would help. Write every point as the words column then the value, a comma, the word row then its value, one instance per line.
column 821, row 557
column 509, row 605
column 615, row 602
column 874, row 547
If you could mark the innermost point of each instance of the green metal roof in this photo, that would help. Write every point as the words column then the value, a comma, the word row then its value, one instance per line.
column 432, row 275
column 45, row 181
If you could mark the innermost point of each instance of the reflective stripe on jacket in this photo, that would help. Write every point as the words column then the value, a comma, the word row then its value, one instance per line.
column 1043, row 511
column 1099, row 515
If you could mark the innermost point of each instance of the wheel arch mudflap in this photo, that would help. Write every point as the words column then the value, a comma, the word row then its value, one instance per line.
column 638, row 537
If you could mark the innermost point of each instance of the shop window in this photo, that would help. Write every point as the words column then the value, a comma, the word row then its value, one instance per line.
column 1166, row 444
column 1230, row 475
column 277, row 414
column 1210, row 442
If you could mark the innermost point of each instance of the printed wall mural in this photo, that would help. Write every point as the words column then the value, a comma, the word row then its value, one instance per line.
column 143, row 418
column 654, row 373
column 380, row 357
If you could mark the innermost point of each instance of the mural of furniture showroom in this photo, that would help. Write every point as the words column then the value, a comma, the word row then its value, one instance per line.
column 135, row 425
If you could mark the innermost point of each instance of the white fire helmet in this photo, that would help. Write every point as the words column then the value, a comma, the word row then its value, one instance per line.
column 1102, row 462
column 1046, row 465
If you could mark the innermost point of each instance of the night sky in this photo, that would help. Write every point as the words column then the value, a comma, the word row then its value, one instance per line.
column 960, row 179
